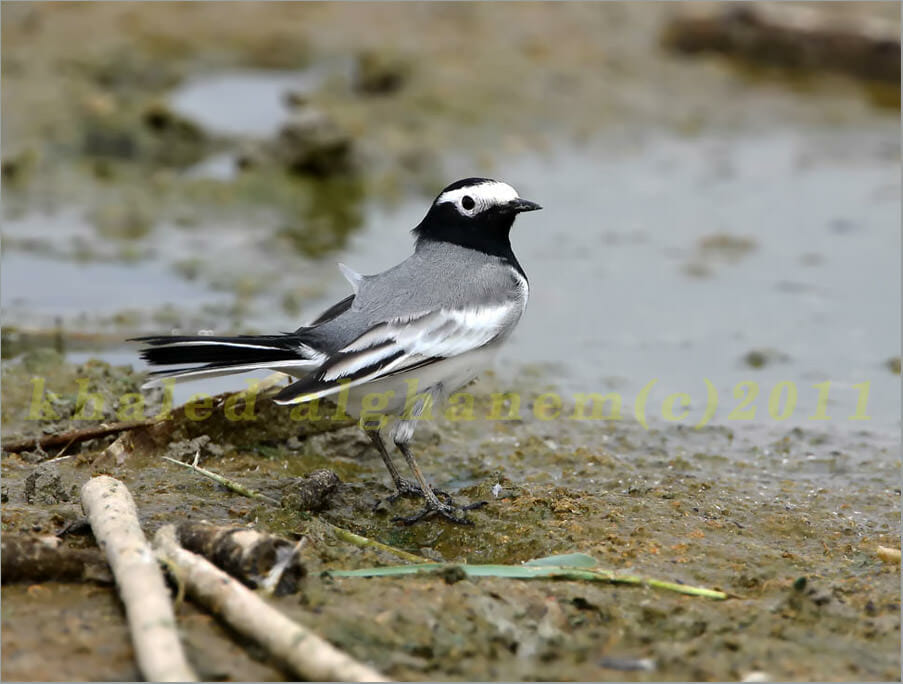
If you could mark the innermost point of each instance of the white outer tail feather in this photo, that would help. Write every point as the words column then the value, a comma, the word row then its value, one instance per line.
column 296, row 369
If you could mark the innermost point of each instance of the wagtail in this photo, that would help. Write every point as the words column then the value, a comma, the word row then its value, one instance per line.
column 436, row 320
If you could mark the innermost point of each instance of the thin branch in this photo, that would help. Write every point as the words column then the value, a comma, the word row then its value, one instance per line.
column 889, row 555
column 32, row 559
column 114, row 521
column 365, row 542
column 308, row 655
column 257, row 559
column 67, row 439
column 231, row 485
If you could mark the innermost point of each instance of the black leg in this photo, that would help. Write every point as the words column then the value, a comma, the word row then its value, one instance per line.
column 403, row 488
column 447, row 509
column 402, row 433
column 400, row 483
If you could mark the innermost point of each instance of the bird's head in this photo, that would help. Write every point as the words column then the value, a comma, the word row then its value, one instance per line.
column 474, row 212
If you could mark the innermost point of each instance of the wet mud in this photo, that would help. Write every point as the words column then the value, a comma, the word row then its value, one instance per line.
column 749, row 512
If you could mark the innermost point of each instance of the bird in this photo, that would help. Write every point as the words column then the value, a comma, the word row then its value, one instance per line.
column 436, row 320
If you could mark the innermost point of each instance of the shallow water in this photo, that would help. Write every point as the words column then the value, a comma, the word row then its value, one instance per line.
column 613, row 307
column 802, row 262
column 56, row 266
column 247, row 103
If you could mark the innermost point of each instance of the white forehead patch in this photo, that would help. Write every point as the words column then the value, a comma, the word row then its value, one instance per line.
column 484, row 196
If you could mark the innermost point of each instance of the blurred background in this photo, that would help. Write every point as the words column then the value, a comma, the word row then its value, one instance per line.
column 721, row 183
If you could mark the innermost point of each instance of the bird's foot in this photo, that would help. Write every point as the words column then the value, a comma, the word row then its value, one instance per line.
column 447, row 510
column 405, row 489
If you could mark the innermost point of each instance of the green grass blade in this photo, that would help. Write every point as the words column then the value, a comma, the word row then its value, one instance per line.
column 567, row 560
column 534, row 571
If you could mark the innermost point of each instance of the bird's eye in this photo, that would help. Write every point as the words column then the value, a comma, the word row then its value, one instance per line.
column 467, row 202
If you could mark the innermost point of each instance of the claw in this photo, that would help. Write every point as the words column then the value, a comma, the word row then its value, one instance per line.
column 405, row 489
column 449, row 511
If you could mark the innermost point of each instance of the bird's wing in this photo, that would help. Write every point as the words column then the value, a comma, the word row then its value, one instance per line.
column 402, row 344
column 331, row 313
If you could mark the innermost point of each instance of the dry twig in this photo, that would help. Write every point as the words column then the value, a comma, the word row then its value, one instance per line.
column 231, row 485
column 889, row 555
column 67, row 439
column 258, row 559
column 307, row 654
column 28, row 558
column 114, row 521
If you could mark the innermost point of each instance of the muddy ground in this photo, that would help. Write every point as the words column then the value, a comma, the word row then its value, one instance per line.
column 104, row 176
column 787, row 522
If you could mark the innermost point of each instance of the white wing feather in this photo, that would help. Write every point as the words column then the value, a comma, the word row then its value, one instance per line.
column 439, row 334
column 404, row 343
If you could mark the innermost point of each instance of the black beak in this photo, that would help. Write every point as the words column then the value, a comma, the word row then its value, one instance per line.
column 519, row 205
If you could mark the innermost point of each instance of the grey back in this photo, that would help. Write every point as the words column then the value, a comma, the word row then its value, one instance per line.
column 437, row 275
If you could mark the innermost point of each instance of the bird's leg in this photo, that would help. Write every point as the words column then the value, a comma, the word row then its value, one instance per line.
column 403, row 488
column 447, row 509
column 402, row 433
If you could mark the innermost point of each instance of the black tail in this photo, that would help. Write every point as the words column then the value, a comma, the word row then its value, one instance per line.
column 208, row 355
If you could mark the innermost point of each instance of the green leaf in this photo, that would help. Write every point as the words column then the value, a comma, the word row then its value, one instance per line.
column 567, row 560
